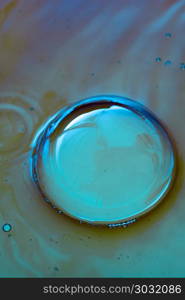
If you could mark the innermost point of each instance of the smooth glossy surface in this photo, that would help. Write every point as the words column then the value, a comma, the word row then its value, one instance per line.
column 104, row 160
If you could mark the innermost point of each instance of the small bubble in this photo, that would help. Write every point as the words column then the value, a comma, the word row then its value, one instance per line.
column 167, row 63
column 56, row 268
column 92, row 74
column 168, row 35
column 182, row 66
column 158, row 59
column 31, row 108
column 7, row 227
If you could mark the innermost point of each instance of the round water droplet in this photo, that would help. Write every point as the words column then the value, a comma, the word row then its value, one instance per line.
column 158, row 59
column 168, row 35
column 167, row 63
column 107, row 160
column 7, row 227
column 182, row 66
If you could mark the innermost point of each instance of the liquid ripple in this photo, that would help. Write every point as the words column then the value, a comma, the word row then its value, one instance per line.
column 18, row 116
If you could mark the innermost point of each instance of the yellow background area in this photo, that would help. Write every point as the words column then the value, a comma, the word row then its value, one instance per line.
column 56, row 52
